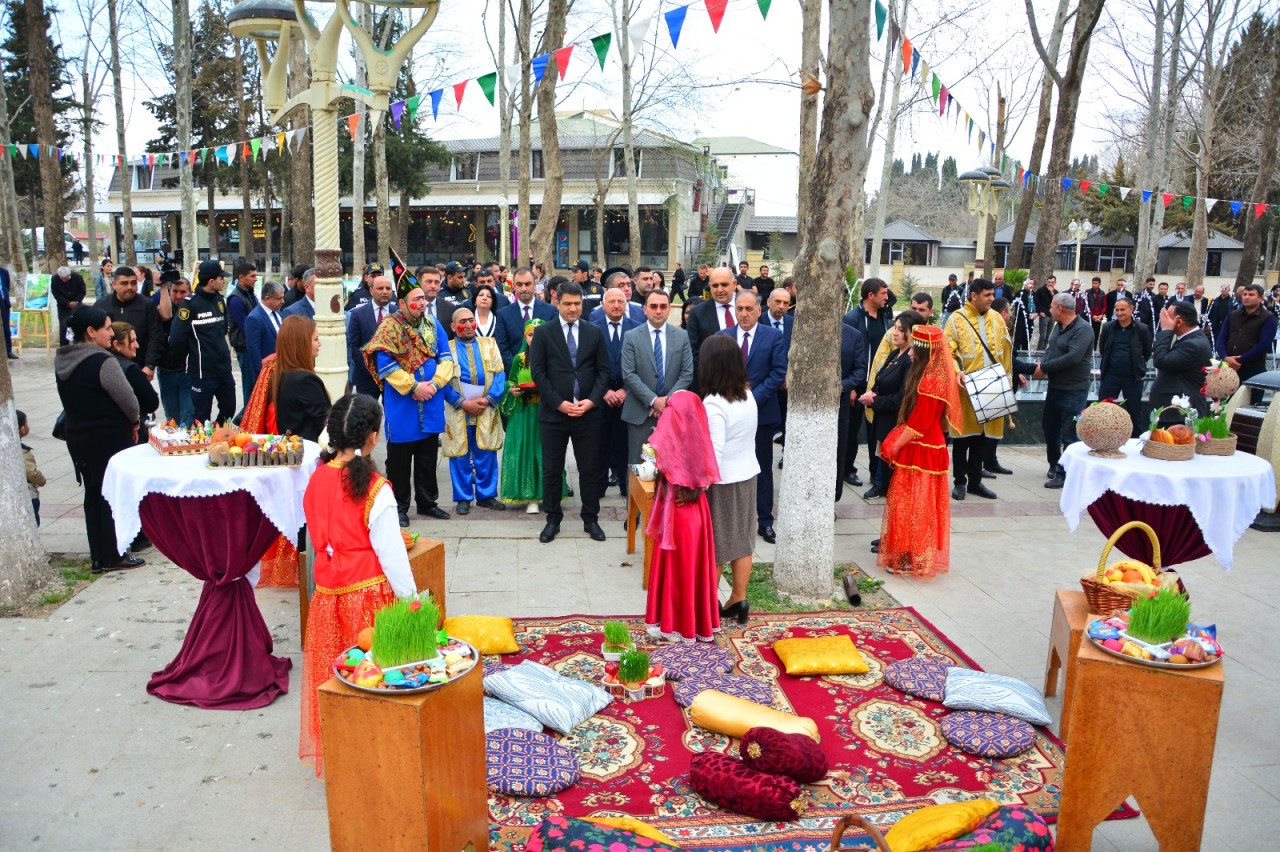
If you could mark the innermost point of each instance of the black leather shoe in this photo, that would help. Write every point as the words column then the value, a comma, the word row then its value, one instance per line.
column 13, row 357
column 435, row 512
column 492, row 503
column 982, row 491
column 872, row 493
column 463, row 507
column 875, row 544
column 404, row 521
column 123, row 565
column 988, row 474
column 957, row 493
column 593, row 530
column 999, row 468
column 767, row 534
column 1055, row 482
column 549, row 533
column 568, row 492
column 854, row 480
column 738, row 611
column 613, row 480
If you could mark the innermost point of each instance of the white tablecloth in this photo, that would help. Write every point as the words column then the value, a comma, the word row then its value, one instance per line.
column 1224, row 493
column 138, row 471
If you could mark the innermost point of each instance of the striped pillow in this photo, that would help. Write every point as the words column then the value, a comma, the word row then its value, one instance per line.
column 559, row 702
column 499, row 714
column 971, row 690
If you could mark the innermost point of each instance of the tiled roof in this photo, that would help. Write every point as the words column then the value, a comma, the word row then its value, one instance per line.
column 769, row 224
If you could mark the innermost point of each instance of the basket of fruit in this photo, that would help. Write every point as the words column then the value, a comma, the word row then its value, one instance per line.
column 1115, row 587
column 1176, row 443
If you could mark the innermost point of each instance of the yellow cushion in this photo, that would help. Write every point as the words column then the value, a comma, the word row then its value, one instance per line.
column 635, row 826
column 733, row 716
column 490, row 634
column 820, row 655
column 928, row 827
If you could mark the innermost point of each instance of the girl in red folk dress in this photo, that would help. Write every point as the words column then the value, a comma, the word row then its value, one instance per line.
column 915, row 532
column 683, row 581
column 361, row 561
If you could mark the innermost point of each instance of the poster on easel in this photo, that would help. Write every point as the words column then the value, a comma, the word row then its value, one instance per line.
column 37, row 294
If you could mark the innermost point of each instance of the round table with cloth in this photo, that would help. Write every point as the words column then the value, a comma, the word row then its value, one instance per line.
column 1196, row 507
column 215, row 524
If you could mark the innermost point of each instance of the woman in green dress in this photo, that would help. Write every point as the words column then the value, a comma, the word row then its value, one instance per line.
column 521, row 478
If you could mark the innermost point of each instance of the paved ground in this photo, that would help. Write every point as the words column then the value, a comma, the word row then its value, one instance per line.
column 92, row 762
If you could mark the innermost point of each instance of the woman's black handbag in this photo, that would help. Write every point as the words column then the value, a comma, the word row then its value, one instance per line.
column 60, row 426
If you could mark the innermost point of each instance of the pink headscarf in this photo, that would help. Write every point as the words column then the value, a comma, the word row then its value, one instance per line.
column 682, row 443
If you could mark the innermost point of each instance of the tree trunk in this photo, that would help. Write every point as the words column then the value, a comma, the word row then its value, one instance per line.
column 886, row 168
column 86, row 124
column 504, row 151
column 524, row 27
column 806, row 526
column 542, row 240
column 182, row 95
column 12, row 235
column 215, row 239
column 365, row 19
column 383, row 189
column 1266, row 168
column 1158, row 162
column 124, row 252
column 628, row 143
column 242, row 131
column 404, row 218
column 303, row 212
column 989, row 245
column 23, row 563
column 1026, row 206
column 38, row 54
column 810, row 59
column 268, row 239
column 1042, row 259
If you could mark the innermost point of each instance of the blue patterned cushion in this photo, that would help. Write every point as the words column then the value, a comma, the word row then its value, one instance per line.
column 688, row 659
column 971, row 690
column 500, row 714
column 527, row 763
column 739, row 686
column 559, row 702
column 1010, row 828
column 987, row 734
column 922, row 677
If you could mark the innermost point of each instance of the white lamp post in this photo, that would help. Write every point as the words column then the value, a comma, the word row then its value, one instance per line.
column 985, row 188
column 280, row 21
column 1079, row 232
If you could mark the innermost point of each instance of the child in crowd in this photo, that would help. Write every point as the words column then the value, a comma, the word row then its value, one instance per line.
column 35, row 479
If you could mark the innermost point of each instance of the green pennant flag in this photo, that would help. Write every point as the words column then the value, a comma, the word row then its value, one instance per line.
column 487, row 82
column 204, row 152
column 881, row 14
column 256, row 145
column 412, row 106
column 1187, row 201
column 13, row 151
column 601, row 44
column 936, row 84
column 1102, row 189
column 764, row 7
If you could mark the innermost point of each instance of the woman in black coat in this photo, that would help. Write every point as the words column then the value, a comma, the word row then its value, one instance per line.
column 100, row 414
column 885, row 396
column 124, row 345
column 300, row 399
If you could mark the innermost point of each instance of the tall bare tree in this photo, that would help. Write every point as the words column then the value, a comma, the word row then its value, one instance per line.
column 23, row 563
column 93, row 74
column 10, row 223
column 624, row 11
column 805, row 552
column 364, row 17
column 123, row 252
column 302, row 213
column 523, row 21
column 39, row 53
column 242, row 133
column 505, row 107
column 1266, row 169
column 542, row 240
column 182, row 108
column 810, row 70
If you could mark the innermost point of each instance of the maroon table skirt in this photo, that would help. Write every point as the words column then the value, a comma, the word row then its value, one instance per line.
column 225, row 662
column 1181, row 539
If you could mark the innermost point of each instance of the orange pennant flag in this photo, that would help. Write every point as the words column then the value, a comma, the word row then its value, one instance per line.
column 353, row 123
column 906, row 55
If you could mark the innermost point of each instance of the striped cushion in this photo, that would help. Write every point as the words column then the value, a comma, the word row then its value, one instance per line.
column 738, row 685
column 988, row 734
column 687, row 659
column 527, row 763
column 559, row 702
column 499, row 714
column 972, row 690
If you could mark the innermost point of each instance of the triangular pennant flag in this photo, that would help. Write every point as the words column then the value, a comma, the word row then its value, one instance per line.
column 1208, row 204
column 204, row 154
column 353, row 125
column 715, row 10
column 1146, row 196
column 279, row 143
column 1235, row 207
column 1166, row 197
column 993, row 151
column 1066, row 184
column 915, row 61
column 562, row 59
column 1258, row 209
column 675, row 22
column 13, row 150
column 301, row 133
column 601, row 46
column 459, row 89
column 1124, row 192
column 936, row 86
column 435, row 103
column 539, row 66
column 637, row 33
column 256, row 145
column 1102, row 188
column 924, row 74
column 894, row 33
column 1020, row 173
column 881, row 14
column 982, row 139
column 764, row 7
column 906, row 54
column 1026, row 179
column 191, row 158
column 34, row 149
column 943, row 103
column 231, row 154
column 513, row 75
column 397, row 110
column 490, row 80
column 1187, row 201
column 412, row 106
column 1084, row 186
column 970, row 123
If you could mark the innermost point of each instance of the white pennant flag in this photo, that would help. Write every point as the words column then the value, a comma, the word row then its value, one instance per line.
column 231, row 152
column 638, row 32
column 302, row 134
column 513, row 76
column 1124, row 192
column 1208, row 205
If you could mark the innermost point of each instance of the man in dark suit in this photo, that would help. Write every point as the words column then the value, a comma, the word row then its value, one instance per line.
column 6, row 289
column 1180, row 353
column 570, row 364
column 361, row 324
column 260, row 329
column 1125, row 348
column 765, row 354
column 713, row 315
column 620, row 278
column 780, row 319
column 853, row 375
column 614, row 322
column 306, row 306
column 511, row 319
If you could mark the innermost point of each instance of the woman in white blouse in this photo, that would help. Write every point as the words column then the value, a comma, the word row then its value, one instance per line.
column 731, row 418
column 486, row 321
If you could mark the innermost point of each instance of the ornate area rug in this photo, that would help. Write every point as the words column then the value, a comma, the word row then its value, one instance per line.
column 886, row 750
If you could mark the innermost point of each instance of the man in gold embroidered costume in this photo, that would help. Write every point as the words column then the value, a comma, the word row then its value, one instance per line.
column 473, row 430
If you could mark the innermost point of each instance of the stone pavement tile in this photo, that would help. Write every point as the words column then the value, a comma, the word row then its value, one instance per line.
column 206, row 822
column 484, row 603
column 1266, row 776
column 1125, row 835
column 310, row 829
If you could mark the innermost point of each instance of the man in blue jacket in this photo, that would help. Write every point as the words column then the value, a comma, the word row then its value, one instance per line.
column 511, row 319
column 261, row 327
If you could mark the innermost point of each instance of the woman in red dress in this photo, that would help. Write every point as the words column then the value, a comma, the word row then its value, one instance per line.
column 683, row 581
column 361, row 561
column 915, row 532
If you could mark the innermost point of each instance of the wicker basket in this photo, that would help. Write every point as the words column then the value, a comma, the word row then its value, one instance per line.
column 1102, row 597
column 1217, row 446
column 1168, row 452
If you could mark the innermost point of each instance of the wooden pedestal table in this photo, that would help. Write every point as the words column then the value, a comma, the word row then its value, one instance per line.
column 639, row 501
column 1070, row 618
column 408, row 771
column 426, row 560
column 1142, row 732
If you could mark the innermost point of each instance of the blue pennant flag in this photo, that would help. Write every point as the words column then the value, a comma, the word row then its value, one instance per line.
column 1066, row 184
column 1235, row 207
column 34, row 149
column 915, row 62
column 675, row 22
column 539, row 66
column 1026, row 179
column 1146, row 196
column 435, row 103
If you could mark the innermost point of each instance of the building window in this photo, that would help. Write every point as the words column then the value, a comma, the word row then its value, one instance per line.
column 142, row 176
column 1105, row 258
column 1213, row 263
column 620, row 163
column 466, row 167
column 535, row 165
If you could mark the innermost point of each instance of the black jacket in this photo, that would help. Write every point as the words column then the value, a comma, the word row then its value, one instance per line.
column 888, row 389
column 199, row 334
column 1043, row 299
column 554, row 372
column 701, row 323
column 66, row 292
column 302, row 404
column 148, row 399
column 140, row 313
column 1068, row 360
column 1141, row 353
column 1180, row 368
column 100, row 406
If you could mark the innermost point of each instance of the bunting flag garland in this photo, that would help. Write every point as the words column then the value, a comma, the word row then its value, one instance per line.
column 397, row 110
column 490, row 80
column 881, row 14
column 907, row 53
column 459, row 89
column 942, row 101
column 435, row 103
column 1166, row 197
column 562, row 59
column 353, row 125
column 1187, row 201
column 936, row 85
column 601, row 46
column 1258, row 209
column 1208, row 205
column 1235, row 207
column 1146, row 195
column 539, row 66
column 764, row 7
column 1102, row 189
column 915, row 62
column 256, row 145
column 895, row 33
column 638, row 32
column 412, row 106
column 1084, row 186
column 715, row 10
column 675, row 23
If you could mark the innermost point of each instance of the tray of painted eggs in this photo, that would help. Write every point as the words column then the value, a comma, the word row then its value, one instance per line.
column 1196, row 649
column 356, row 668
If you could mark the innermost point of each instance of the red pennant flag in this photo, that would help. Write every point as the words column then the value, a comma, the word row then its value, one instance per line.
column 906, row 55
column 1258, row 210
column 353, row 123
column 245, row 150
column 458, row 90
column 715, row 9
column 191, row 158
column 1084, row 186
column 562, row 60
column 1166, row 198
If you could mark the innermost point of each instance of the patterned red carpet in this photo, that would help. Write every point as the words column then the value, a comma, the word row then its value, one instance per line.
column 886, row 750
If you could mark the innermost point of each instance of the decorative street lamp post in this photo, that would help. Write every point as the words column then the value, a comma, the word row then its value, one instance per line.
column 281, row 21
column 985, row 188
column 1079, row 232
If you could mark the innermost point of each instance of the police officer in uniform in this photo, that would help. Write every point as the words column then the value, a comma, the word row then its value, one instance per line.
column 199, row 333
column 361, row 294
column 592, row 291
column 454, row 294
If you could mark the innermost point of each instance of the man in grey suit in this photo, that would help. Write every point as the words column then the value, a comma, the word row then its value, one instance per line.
column 657, row 361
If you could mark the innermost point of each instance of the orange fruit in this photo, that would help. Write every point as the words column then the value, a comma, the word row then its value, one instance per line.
column 365, row 639
column 1132, row 576
column 243, row 438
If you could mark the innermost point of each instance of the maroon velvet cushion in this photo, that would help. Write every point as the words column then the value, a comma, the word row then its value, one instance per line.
column 776, row 753
column 730, row 784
